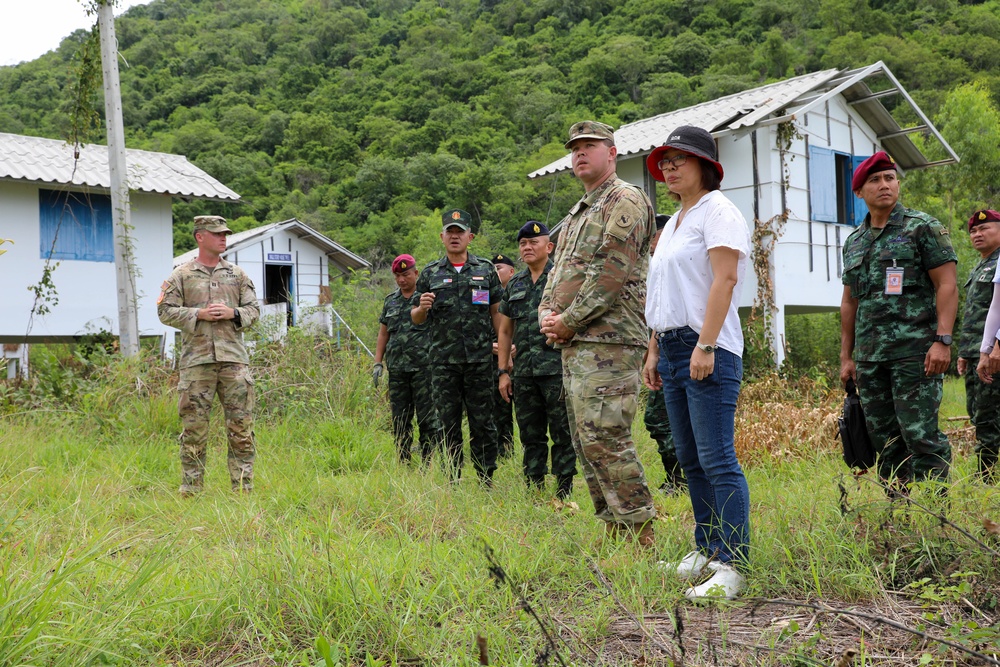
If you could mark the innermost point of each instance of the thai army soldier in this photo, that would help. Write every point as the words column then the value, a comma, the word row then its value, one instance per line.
column 535, row 384
column 897, row 313
column 593, row 310
column 212, row 301
column 655, row 417
column 503, row 410
column 403, row 347
column 459, row 298
column 982, row 400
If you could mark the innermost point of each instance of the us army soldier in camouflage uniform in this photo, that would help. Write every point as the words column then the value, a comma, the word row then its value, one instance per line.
column 212, row 301
column 593, row 309
column 404, row 347
column 897, row 313
column 503, row 410
column 982, row 400
column 535, row 383
column 459, row 297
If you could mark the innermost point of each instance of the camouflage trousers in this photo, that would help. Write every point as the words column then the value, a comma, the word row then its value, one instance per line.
column 983, row 403
column 658, row 425
column 541, row 414
column 410, row 393
column 467, row 388
column 503, row 419
column 602, row 386
column 197, row 387
column 901, row 411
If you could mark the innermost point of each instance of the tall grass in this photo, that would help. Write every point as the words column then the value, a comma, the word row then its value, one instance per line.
column 340, row 545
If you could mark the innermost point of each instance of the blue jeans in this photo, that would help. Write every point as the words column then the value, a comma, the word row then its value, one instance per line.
column 702, row 419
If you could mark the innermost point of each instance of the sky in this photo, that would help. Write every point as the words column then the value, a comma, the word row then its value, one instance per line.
column 31, row 28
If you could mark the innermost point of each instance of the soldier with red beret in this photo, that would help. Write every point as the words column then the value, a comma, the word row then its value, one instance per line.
column 897, row 312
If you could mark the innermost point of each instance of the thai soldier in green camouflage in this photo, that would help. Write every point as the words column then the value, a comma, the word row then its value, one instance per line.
column 535, row 383
column 593, row 310
column 982, row 400
column 459, row 297
column 212, row 301
column 404, row 346
column 897, row 312
column 655, row 417
column 503, row 410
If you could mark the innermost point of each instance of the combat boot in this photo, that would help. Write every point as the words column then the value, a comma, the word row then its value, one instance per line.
column 564, row 487
column 643, row 535
column 987, row 467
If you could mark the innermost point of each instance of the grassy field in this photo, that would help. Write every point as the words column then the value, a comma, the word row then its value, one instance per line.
column 343, row 557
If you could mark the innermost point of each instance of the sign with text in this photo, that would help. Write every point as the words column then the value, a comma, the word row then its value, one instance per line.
column 279, row 257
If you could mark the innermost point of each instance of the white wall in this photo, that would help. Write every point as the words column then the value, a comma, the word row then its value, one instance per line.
column 86, row 290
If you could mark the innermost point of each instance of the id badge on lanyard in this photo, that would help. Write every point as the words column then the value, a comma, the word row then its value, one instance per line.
column 894, row 280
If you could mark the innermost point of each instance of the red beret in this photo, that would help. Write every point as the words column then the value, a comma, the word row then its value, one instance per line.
column 878, row 162
column 986, row 215
column 403, row 263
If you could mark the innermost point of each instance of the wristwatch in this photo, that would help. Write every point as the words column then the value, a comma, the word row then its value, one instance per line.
column 943, row 338
column 501, row 371
column 707, row 349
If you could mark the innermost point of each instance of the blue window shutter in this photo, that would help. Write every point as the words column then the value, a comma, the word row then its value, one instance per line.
column 823, row 184
column 860, row 207
column 76, row 226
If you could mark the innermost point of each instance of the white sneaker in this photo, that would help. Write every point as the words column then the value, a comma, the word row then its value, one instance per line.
column 689, row 567
column 725, row 583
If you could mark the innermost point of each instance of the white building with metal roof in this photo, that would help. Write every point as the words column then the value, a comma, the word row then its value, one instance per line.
column 789, row 150
column 290, row 264
column 55, row 205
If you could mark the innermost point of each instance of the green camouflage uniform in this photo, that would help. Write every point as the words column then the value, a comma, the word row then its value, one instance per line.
column 213, row 360
column 981, row 400
column 462, row 368
column 598, row 284
column 658, row 425
column 538, row 386
column 503, row 420
column 892, row 335
column 409, row 382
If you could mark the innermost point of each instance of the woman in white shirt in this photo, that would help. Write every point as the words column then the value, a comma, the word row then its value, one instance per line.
column 695, row 354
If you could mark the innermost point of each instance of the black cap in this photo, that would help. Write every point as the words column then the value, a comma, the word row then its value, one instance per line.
column 661, row 220
column 687, row 139
column 503, row 259
column 531, row 229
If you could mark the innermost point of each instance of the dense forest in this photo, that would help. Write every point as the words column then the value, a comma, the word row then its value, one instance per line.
column 362, row 119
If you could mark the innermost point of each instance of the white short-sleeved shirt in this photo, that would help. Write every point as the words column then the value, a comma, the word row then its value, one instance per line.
column 680, row 273
column 996, row 274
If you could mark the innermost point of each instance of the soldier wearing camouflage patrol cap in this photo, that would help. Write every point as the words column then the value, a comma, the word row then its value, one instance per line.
column 982, row 399
column 592, row 309
column 535, row 384
column 404, row 346
column 459, row 299
column 897, row 312
column 212, row 301
column 503, row 410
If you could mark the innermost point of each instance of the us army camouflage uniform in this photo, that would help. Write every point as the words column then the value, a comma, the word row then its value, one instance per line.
column 463, row 371
column 658, row 425
column 213, row 360
column 893, row 334
column 537, row 383
column 981, row 400
column 409, row 378
column 598, row 284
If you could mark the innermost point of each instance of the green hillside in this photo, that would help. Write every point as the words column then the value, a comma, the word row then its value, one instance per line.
column 362, row 119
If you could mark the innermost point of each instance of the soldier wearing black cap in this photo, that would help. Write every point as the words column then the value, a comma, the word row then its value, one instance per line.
column 503, row 410
column 535, row 383
column 459, row 297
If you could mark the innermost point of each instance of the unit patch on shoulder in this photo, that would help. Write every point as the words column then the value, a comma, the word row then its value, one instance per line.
column 623, row 217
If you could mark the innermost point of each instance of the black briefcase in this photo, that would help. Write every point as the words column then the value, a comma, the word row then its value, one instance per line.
column 858, row 450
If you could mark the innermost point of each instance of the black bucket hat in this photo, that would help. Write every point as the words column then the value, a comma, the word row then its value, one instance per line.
column 687, row 139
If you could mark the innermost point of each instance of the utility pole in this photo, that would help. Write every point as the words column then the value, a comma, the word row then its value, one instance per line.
column 128, row 320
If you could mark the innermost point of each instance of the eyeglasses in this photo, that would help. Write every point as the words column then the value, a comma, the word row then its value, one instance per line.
column 677, row 161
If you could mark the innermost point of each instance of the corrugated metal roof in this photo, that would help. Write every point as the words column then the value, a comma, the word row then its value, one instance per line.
column 343, row 258
column 51, row 161
column 730, row 112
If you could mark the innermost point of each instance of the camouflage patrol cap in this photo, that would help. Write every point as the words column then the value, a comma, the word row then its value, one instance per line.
column 982, row 217
column 590, row 129
column 456, row 217
column 532, row 229
column 211, row 223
